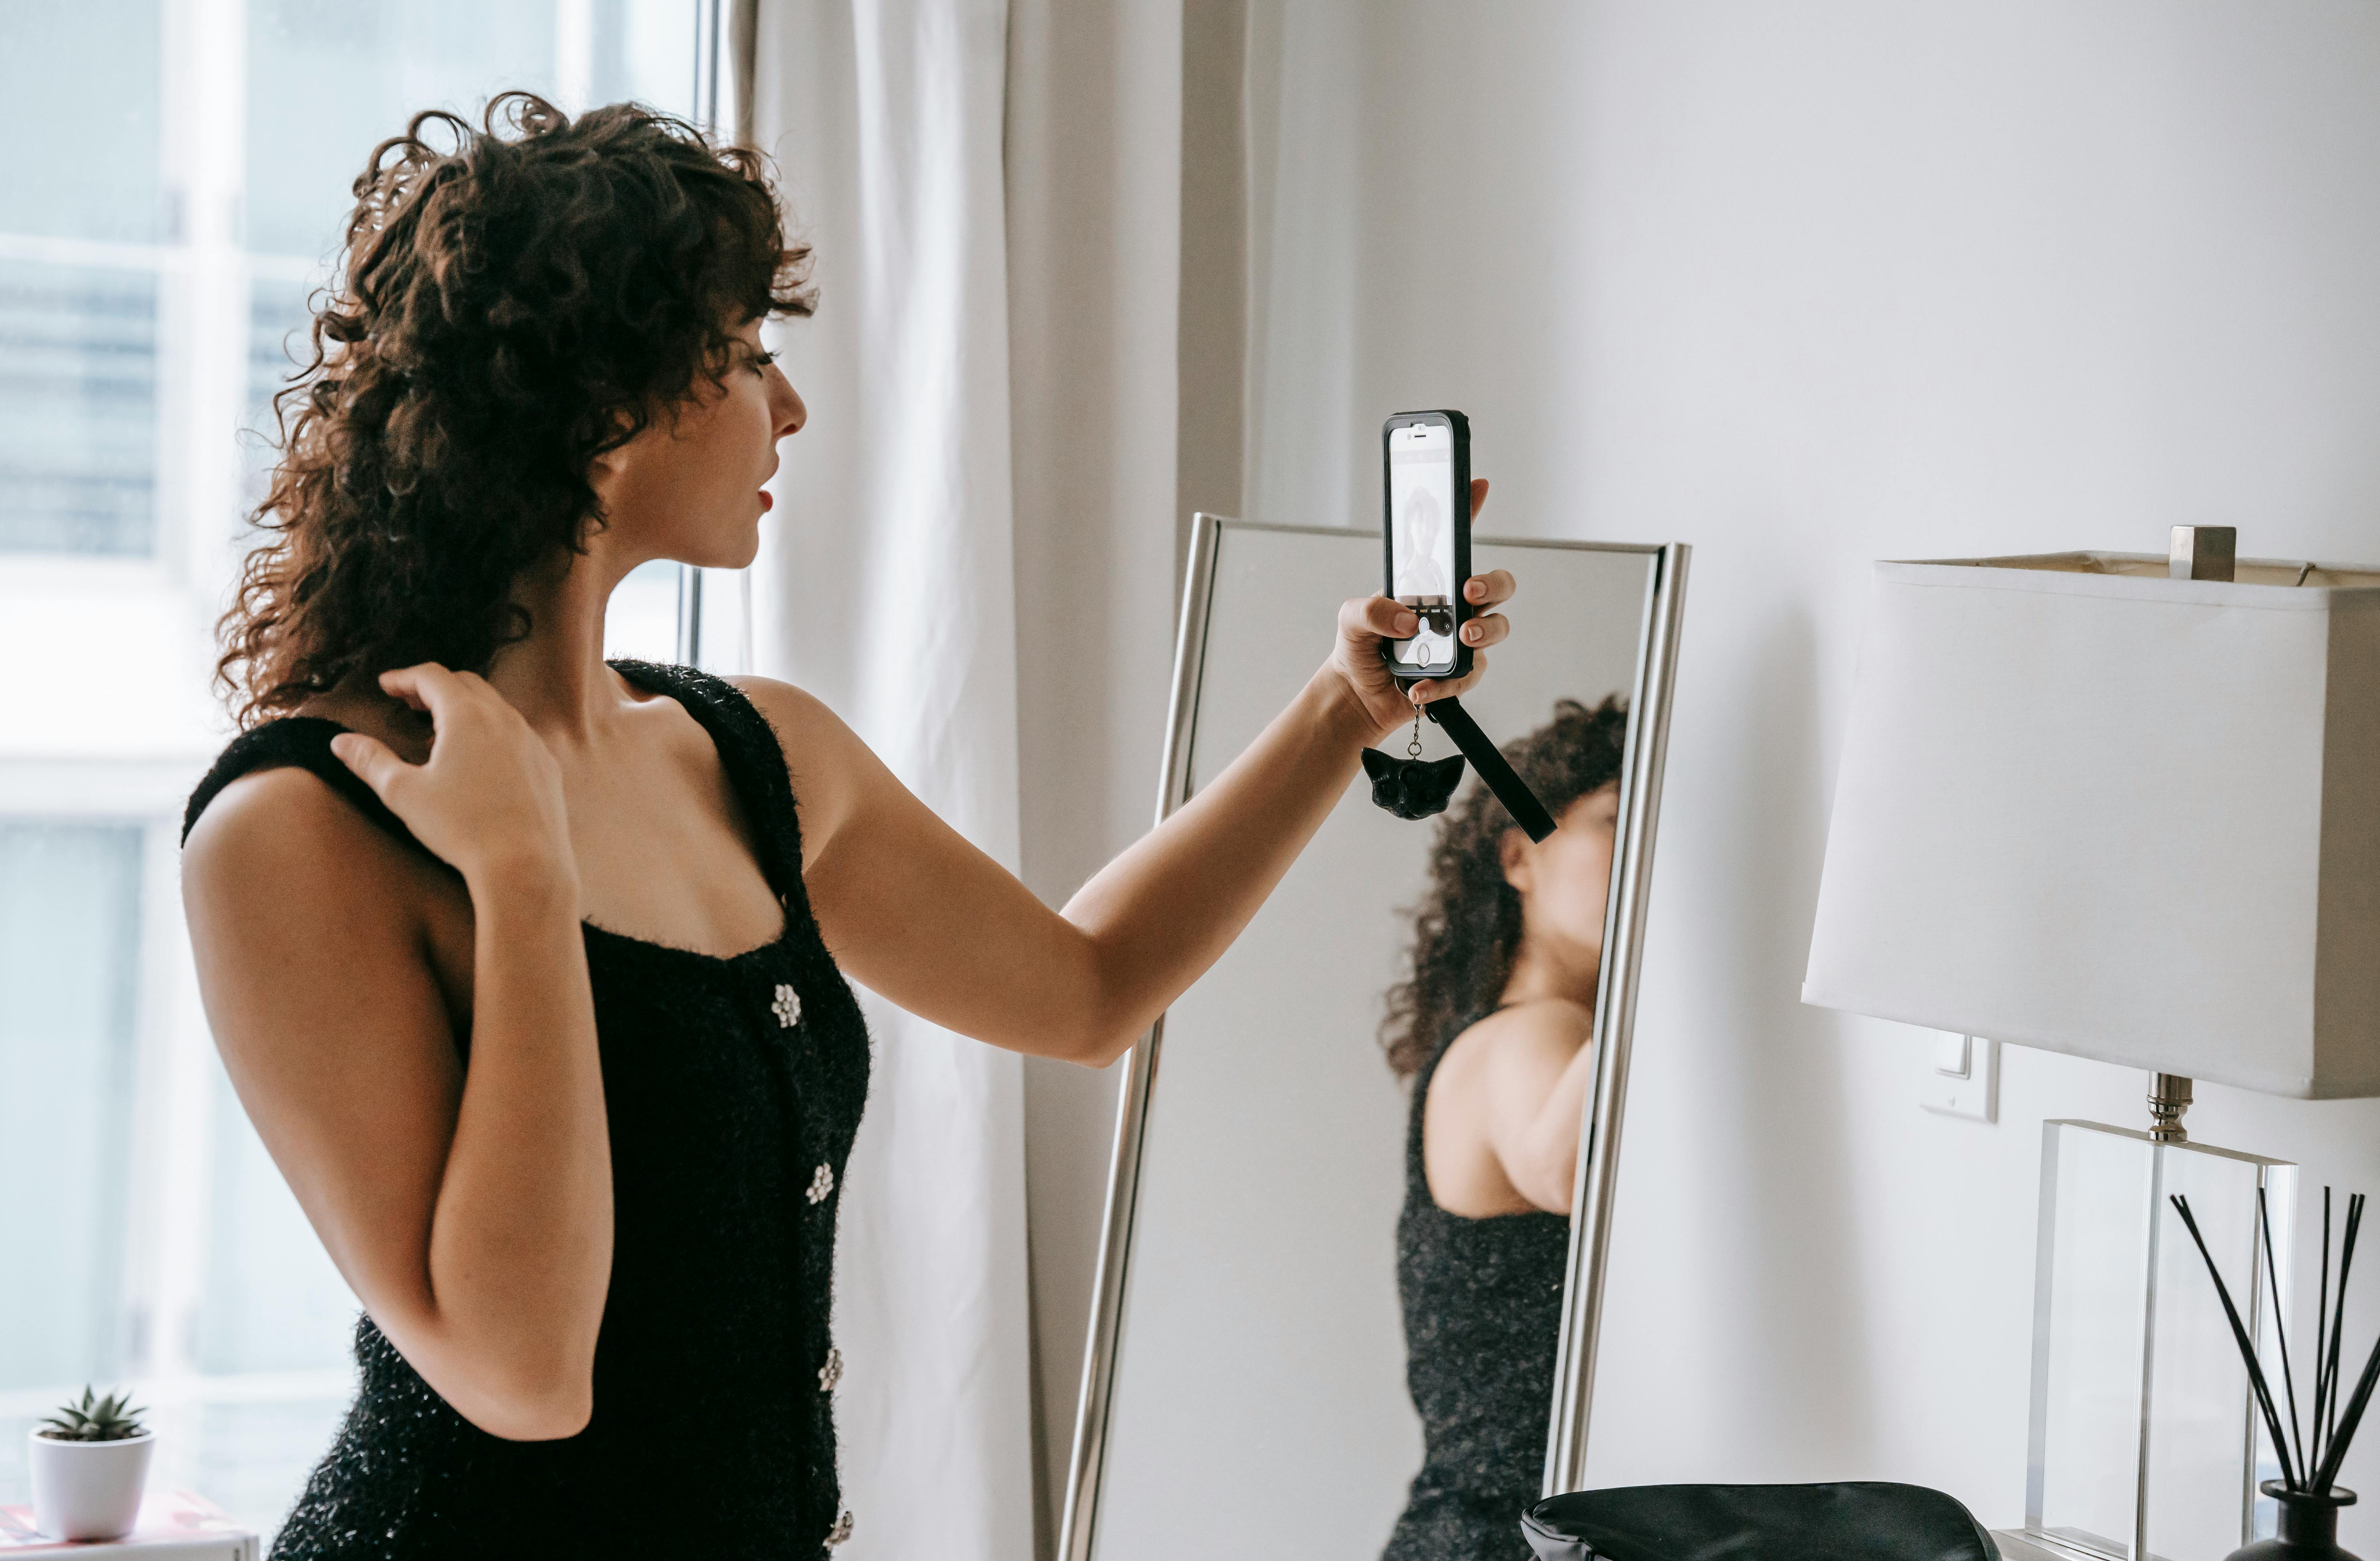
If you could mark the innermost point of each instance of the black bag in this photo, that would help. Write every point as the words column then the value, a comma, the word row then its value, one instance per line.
column 1858, row 1520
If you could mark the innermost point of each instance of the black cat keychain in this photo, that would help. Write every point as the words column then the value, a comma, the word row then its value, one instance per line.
column 1412, row 787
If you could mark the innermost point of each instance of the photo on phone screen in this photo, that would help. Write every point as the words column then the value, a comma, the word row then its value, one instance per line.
column 1422, row 517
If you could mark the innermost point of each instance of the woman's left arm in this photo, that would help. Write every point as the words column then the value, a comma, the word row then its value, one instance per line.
column 918, row 914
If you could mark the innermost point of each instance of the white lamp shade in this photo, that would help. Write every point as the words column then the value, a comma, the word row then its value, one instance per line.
column 2086, row 808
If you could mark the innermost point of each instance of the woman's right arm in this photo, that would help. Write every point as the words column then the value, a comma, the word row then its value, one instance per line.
column 471, row 1212
column 1536, row 1084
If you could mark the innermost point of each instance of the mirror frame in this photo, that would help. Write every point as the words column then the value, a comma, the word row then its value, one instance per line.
column 1615, row 1008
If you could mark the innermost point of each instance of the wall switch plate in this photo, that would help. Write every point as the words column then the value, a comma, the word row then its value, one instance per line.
column 1962, row 1078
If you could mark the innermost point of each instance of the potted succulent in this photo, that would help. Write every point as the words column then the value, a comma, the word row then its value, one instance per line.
column 90, row 1461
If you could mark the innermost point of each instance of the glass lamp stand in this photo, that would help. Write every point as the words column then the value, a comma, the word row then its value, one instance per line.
column 2145, row 1445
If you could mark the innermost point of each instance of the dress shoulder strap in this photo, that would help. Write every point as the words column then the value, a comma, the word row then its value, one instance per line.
column 752, row 754
column 304, row 741
column 747, row 744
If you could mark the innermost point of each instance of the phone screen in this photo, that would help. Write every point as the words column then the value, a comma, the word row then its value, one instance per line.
column 1421, row 511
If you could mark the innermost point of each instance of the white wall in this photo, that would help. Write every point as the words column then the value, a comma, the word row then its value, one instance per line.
column 1805, row 286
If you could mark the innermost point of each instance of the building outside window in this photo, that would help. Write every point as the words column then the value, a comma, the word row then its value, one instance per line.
column 159, row 237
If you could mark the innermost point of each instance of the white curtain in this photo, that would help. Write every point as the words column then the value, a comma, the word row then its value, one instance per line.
column 885, row 585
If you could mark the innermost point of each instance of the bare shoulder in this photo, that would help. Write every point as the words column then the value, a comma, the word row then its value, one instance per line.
column 832, row 768
column 283, row 824
column 796, row 712
column 819, row 748
column 280, row 860
column 1530, row 1035
column 1545, row 1019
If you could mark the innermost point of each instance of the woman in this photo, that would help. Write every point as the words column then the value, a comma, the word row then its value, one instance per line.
column 1493, row 1031
column 1421, row 570
column 519, row 959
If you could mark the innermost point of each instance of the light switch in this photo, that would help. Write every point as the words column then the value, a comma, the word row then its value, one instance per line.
column 1964, row 1080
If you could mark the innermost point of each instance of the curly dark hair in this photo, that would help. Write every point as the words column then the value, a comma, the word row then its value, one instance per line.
column 506, row 311
column 1467, row 928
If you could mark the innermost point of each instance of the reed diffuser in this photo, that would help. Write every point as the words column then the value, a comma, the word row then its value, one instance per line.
column 2308, row 1491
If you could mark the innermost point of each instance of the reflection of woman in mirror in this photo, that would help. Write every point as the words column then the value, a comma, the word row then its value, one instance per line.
column 1493, row 1030
column 1421, row 573
column 520, row 960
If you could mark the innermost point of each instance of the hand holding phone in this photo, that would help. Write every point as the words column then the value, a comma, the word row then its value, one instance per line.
column 1372, row 627
column 1426, row 457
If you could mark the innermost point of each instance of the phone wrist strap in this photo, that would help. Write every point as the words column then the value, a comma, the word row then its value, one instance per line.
column 1510, row 788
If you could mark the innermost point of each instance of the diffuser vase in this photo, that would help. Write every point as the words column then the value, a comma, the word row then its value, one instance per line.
column 2309, row 1526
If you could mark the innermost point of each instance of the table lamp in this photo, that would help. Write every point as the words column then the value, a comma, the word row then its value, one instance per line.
column 2127, row 807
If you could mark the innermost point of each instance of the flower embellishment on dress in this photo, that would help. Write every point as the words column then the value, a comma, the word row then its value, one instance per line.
column 842, row 1529
column 788, row 1006
column 821, row 1183
column 832, row 1373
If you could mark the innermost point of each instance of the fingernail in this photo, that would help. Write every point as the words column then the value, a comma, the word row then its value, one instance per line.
column 1407, row 622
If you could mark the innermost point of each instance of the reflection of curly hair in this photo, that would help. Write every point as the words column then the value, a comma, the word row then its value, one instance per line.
column 1467, row 928
column 507, row 310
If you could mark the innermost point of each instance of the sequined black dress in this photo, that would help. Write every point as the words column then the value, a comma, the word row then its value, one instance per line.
column 734, row 1088
column 1483, row 1320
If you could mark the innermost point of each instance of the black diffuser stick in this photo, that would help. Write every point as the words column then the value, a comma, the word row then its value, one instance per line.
column 2347, row 1421
column 2335, row 1446
column 2338, row 1316
column 2247, row 1348
column 2321, row 1316
column 2280, row 1326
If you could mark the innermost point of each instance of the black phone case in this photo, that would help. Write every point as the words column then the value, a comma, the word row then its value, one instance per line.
column 1461, row 426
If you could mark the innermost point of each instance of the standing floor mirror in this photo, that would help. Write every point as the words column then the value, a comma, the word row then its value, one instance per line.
column 1244, row 1392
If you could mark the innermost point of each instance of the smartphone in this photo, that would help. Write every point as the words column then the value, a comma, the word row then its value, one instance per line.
column 1427, row 530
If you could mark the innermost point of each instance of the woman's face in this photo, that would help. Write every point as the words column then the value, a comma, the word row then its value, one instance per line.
column 1565, row 879
column 690, row 489
column 1420, row 520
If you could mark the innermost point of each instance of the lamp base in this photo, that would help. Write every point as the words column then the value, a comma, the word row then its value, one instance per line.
column 2143, row 1444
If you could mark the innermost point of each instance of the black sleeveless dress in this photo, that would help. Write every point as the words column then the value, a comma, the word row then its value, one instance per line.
column 734, row 1088
column 1483, row 1321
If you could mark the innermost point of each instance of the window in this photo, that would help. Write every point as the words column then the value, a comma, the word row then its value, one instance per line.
column 157, row 256
column 79, row 279
column 70, row 941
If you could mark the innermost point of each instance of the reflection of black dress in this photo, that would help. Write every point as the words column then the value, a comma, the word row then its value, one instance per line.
column 733, row 1088
column 1482, row 1318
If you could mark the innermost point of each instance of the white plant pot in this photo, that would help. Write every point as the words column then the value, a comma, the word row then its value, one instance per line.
column 88, row 1490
